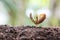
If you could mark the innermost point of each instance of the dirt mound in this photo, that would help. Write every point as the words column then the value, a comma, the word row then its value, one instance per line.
column 28, row 33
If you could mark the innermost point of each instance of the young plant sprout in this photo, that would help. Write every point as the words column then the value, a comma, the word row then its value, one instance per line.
column 39, row 18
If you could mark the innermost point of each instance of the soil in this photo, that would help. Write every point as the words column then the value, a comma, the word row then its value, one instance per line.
column 28, row 33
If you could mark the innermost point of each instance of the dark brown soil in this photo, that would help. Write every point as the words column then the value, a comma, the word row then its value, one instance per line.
column 28, row 33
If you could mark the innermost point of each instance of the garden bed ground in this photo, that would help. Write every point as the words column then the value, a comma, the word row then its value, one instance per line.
column 28, row 33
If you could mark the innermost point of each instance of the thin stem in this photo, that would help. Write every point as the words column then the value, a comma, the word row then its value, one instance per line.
column 31, row 18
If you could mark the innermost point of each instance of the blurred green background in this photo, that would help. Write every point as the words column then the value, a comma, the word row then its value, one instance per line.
column 15, row 12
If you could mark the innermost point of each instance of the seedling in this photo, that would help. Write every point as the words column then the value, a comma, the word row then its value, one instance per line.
column 39, row 18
